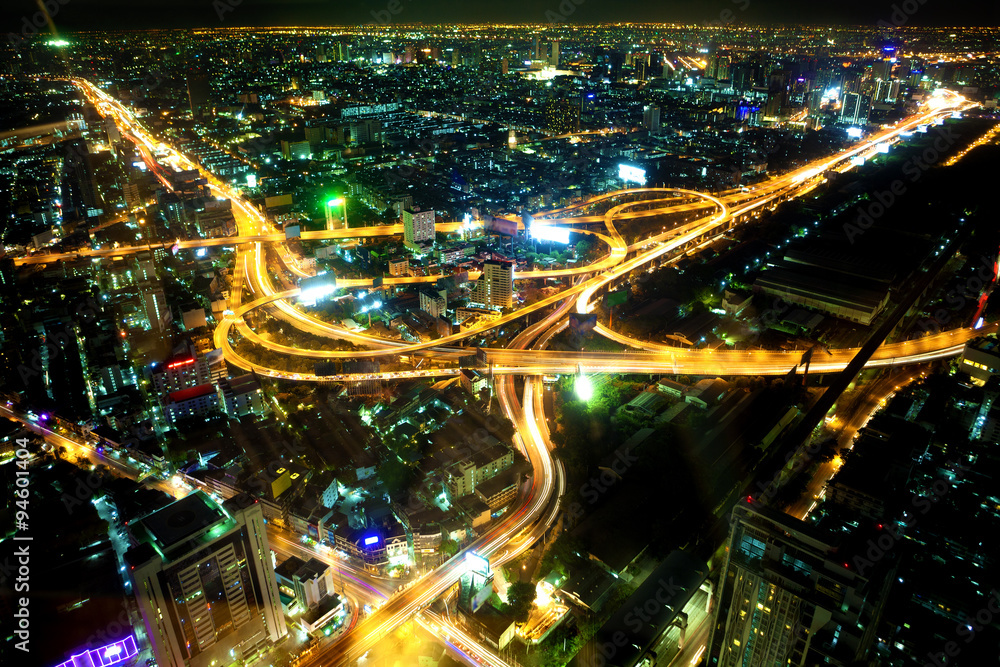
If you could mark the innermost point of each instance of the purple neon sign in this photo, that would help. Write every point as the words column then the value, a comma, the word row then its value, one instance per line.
column 108, row 655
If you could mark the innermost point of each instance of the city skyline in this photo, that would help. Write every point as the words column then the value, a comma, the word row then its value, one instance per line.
column 88, row 14
column 625, row 345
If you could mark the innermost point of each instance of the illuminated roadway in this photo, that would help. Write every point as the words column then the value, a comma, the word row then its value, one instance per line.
column 536, row 511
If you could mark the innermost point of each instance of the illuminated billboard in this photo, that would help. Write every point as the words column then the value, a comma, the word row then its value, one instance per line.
column 632, row 174
column 854, row 132
column 316, row 288
column 500, row 226
column 477, row 563
column 882, row 148
column 549, row 233
column 371, row 540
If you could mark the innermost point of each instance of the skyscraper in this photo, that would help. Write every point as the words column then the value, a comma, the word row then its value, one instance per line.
column 855, row 109
column 199, row 91
column 790, row 594
column 651, row 118
column 562, row 116
column 496, row 286
column 204, row 583
column 554, row 54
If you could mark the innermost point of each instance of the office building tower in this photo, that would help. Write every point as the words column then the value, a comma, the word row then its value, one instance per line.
column 792, row 594
column 722, row 64
column 777, row 93
column 418, row 226
column 554, row 54
column 651, row 118
column 157, row 311
column 495, row 287
column 199, row 92
column 881, row 69
column 887, row 91
column 562, row 116
column 855, row 109
column 204, row 582
column 340, row 52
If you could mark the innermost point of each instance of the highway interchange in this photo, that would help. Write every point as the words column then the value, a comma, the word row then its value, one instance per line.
column 537, row 507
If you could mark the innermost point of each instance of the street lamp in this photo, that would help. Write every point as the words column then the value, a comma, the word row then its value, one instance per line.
column 583, row 387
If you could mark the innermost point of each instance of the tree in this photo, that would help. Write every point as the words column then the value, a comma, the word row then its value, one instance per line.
column 449, row 548
column 520, row 599
column 396, row 475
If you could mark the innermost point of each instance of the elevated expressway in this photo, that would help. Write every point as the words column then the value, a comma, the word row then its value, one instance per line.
column 537, row 509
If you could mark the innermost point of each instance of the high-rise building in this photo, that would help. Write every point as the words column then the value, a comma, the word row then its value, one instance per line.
column 157, row 311
column 418, row 226
column 495, row 288
column 722, row 64
column 790, row 594
column 204, row 582
column 777, row 93
column 554, row 54
column 434, row 301
column 182, row 371
column 199, row 92
column 562, row 116
column 855, row 109
column 887, row 91
column 651, row 118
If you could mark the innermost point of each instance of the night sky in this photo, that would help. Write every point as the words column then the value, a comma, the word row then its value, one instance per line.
column 96, row 14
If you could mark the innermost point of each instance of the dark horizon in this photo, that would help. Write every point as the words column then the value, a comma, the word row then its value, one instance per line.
column 86, row 15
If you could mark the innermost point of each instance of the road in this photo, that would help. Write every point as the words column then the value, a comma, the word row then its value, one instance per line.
column 535, row 510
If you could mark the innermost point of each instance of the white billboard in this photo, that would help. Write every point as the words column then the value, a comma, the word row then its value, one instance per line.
column 549, row 233
column 632, row 174
column 316, row 288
